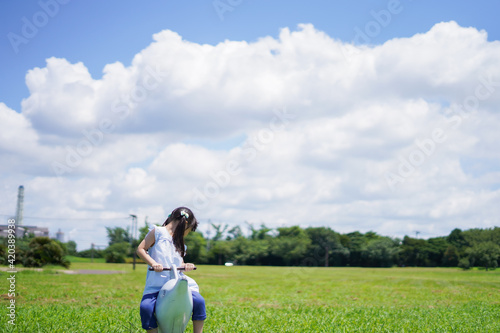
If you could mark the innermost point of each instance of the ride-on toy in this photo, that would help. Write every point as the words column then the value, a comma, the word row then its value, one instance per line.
column 174, row 304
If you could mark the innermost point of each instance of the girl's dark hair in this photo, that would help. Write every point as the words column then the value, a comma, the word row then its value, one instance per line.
column 186, row 220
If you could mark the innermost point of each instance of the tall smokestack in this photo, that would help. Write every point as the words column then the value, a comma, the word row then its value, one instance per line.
column 20, row 205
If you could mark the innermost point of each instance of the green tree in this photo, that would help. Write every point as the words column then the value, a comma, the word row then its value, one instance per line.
column 250, row 252
column 118, row 235
column 290, row 245
column 325, row 248
column 495, row 235
column 220, row 252
column 219, row 231
column 71, row 248
column 380, row 252
column 464, row 263
column 435, row 248
column 4, row 252
column 234, row 233
column 484, row 255
column 451, row 257
column 457, row 239
column 473, row 236
column 42, row 251
column 88, row 253
column 262, row 233
column 196, row 248
column 414, row 252
column 117, row 252
column 143, row 231
column 354, row 242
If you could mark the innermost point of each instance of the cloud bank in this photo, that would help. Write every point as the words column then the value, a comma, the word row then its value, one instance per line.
column 302, row 129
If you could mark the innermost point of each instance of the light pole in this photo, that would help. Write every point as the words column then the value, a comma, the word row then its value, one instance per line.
column 133, row 236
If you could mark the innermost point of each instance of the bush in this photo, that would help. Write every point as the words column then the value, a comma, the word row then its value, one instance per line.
column 3, row 254
column 117, row 252
column 464, row 263
column 138, row 260
column 88, row 253
column 450, row 257
column 71, row 248
column 484, row 254
column 42, row 251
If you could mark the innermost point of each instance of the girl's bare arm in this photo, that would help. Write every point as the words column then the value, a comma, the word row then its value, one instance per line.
column 146, row 243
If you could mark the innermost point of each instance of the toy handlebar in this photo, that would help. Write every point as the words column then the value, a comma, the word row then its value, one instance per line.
column 168, row 269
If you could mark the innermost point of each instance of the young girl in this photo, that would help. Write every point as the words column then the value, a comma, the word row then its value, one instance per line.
column 164, row 247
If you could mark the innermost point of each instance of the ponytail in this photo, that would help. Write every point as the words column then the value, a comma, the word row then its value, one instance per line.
column 186, row 220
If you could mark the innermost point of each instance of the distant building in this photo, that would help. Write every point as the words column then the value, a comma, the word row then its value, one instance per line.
column 22, row 230
column 60, row 236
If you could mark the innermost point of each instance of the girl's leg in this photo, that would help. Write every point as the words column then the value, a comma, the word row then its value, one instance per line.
column 197, row 326
column 199, row 312
column 147, row 308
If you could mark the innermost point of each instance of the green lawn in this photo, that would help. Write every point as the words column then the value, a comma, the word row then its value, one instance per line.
column 73, row 259
column 267, row 299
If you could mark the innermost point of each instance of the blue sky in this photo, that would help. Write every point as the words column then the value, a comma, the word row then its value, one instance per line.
column 357, row 115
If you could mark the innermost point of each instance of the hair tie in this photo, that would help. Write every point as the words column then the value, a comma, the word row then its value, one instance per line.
column 185, row 214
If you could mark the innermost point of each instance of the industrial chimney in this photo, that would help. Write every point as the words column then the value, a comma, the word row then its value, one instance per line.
column 20, row 206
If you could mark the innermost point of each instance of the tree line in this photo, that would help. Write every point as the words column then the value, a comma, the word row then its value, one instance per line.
column 294, row 246
column 322, row 246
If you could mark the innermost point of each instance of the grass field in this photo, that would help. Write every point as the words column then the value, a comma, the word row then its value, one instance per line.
column 266, row 299
column 73, row 259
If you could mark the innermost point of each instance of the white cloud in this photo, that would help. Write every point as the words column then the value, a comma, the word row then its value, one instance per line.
column 62, row 97
column 16, row 131
column 138, row 140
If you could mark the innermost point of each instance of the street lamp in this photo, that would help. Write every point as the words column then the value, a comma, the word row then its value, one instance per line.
column 133, row 235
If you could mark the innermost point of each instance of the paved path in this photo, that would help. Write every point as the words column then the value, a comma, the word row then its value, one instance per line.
column 67, row 271
column 90, row 271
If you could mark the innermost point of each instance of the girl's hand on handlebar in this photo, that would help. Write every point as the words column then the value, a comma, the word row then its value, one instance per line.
column 158, row 267
column 188, row 267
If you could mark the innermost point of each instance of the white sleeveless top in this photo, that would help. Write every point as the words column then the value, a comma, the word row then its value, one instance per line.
column 163, row 252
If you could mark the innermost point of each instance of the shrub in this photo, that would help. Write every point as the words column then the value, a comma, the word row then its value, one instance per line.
column 42, row 251
column 117, row 252
column 464, row 263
